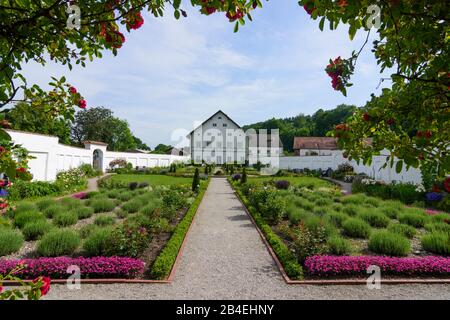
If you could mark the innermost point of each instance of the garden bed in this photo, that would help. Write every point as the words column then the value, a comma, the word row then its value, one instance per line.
column 303, row 219
column 136, row 224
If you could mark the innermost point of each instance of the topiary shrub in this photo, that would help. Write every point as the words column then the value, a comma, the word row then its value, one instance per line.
column 10, row 241
column 196, row 181
column 389, row 243
column 391, row 208
column 24, row 217
column 104, row 220
column 358, row 199
column 143, row 185
column 374, row 218
column 338, row 246
column 236, row 177
column 84, row 212
column 25, row 206
column 35, row 230
column 71, row 203
column 65, row 219
column 356, row 228
column 133, row 185
column 102, row 205
column 96, row 244
column 351, row 209
column 437, row 242
column 125, row 196
column 58, row 243
column 282, row 184
column 403, row 229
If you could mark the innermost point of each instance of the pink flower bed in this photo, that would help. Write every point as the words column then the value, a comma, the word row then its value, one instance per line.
column 327, row 266
column 80, row 195
column 56, row 268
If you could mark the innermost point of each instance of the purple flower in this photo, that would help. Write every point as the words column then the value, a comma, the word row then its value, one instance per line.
column 282, row 184
column 433, row 196
column 3, row 193
column 236, row 177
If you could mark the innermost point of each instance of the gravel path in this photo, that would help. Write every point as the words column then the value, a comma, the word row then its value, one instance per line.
column 346, row 187
column 224, row 258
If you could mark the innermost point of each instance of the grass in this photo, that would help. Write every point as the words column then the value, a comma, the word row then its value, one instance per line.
column 102, row 205
column 65, row 219
column 35, row 230
column 10, row 241
column 104, row 220
column 58, row 243
column 389, row 243
column 151, row 179
column 437, row 242
column 356, row 228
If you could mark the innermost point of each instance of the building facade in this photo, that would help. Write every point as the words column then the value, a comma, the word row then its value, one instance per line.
column 219, row 139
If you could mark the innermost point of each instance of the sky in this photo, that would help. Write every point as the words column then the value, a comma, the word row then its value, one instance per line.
column 171, row 74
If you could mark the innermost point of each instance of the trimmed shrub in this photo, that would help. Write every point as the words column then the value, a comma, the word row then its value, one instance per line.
column 337, row 207
column 150, row 208
column 143, row 185
column 84, row 212
column 53, row 210
column 351, row 209
column 402, row 229
column 336, row 218
column 282, row 184
column 412, row 219
column 133, row 185
column 132, row 206
column 356, row 228
column 339, row 246
column 296, row 214
column 102, row 205
column 358, row 199
column 437, row 242
column 58, row 243
column 437, row 227
column 65, row 219
column 10, row 241
column 113, row 194
column 24, row 217
column 104, row 220
column 323, row 202
column 391, row 208
column 42, row 205
column 35, row 230
column 441, row 217
column 374, row 218
column 389, row 243
column 96, row 244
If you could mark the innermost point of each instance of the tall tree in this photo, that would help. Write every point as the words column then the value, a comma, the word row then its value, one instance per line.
column 99, row 124
column 26, row 117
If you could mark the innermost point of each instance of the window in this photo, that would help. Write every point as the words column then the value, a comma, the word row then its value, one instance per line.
column 224, row 124
column 214, row 124
column 229, row 134
column 219, row 134
column 229, row 144
column 219, row 144
column 219, row 117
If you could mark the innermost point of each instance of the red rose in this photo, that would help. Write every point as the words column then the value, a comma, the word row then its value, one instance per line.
column 209, row 10
column 366, row 116
column 21, row 169
column 45, row 287
column 82, row 104
column 2, row 150
column 419, row 134
column 390, row 122
column 447, row 184
column 428, row 134
column 73, row 90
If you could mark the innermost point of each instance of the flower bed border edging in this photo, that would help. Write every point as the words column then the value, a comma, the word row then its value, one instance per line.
column 194, row 207
column 349, row 281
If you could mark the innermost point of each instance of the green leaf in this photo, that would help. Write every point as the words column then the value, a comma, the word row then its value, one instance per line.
column 176, row 13
column 236, row 27
column 4, row 135
column 399, row 166
column 176, row 4
column 352, row 31
column 321, row 23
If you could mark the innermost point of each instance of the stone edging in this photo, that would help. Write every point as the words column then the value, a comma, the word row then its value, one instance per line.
column 288, row 280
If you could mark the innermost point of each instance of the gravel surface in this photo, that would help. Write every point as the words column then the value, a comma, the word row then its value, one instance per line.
column 224, row 258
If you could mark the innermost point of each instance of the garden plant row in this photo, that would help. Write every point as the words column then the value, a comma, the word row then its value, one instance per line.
column 317, row 232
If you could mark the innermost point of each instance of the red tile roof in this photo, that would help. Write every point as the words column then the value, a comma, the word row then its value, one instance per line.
column 322, row 143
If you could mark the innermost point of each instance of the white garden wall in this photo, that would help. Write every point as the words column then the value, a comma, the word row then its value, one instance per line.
column 375, row 170
column 52, row 157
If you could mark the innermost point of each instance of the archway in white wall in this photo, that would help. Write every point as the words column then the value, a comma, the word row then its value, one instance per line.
column 97, row 159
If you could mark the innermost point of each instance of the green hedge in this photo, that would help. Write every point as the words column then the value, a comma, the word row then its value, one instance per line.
column 290, row 263
column 163, row 264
